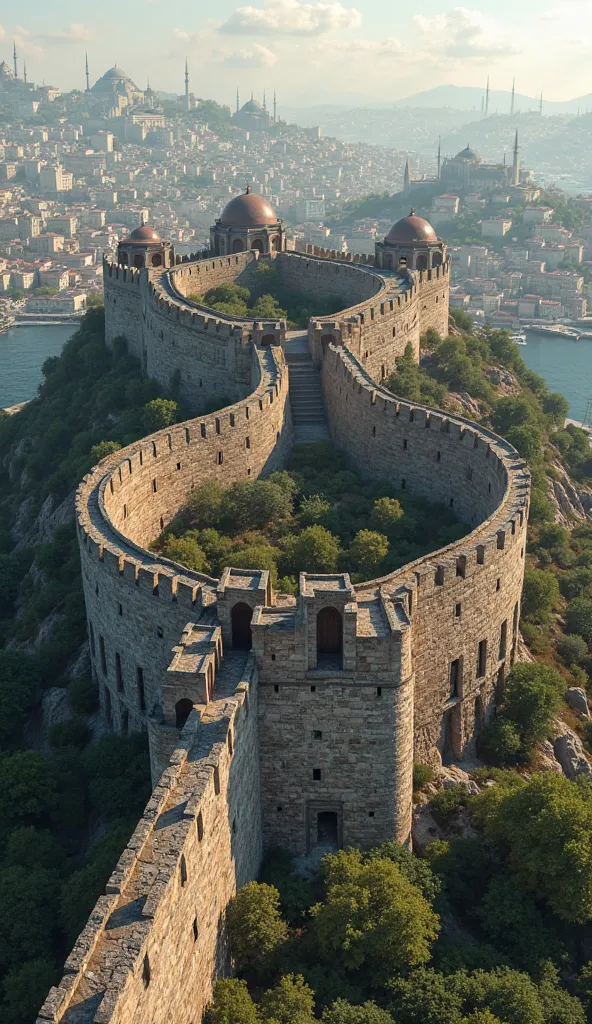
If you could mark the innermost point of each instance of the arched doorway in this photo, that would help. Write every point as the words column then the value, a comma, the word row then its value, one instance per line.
column 437, row 259
column 239, row 245
column 267, row 339
column 275, row 243
column 183, row 709
column 421, row 262
column 157, row 260
column 326, row 340
column 329, row 637
column 139, row 261
column 258, row 245
column 240, row 617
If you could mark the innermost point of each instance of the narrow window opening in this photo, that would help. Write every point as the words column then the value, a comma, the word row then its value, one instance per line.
column 457, row 610
column 498, row 583
column 118, row 675
column 317, row 734
column 373, row 431
column 313, row 689
column 125, row 511
column 220, row 458
column 438, row 456
column 370, row 814
column 480, row 555
column 146, row 971
column 217, row 781
column 200, row 827
column 501, row 541
column 140, row 688
column 230, row 743
column 461, row 566
column 120, row 609
column 247, row 442
column 482, row 658
column 276, row 688
column 273, row 657
column 503, row 641
column 195, row 930
column 183, row 871
column 439, row 576
column 379, row 691
column 316, row 775
column 404, row 442
column 103, row 656
column 455, row 670
column 403, row 484
column 178, row 465
column 154, row 485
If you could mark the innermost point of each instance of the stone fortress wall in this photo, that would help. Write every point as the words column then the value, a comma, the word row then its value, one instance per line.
column 422, row 649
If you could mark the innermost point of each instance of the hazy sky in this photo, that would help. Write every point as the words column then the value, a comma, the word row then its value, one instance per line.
column 310, row 51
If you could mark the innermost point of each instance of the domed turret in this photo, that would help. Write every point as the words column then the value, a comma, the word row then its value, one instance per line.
column 248, row 211
column 411, row 244
column 247, row 222
column 144, row 247
column 411, row 229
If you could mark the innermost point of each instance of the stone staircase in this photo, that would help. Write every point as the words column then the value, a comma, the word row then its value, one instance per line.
column 306, row 397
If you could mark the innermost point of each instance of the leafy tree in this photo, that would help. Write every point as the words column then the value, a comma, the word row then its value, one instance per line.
column 187, row 551
column 83, row 695
column 28, row 789
column 532, row 697
column 204, row 505
column 573, row 649
column 248, row 505
column 556, row 407
column 102, row 450
column 540, row 593
column 415, row 869
column 72, row 733
column 425, row 997
column 386, row 514
column 268, row 308
column 313, row 509
column 27, row 913
column 500, row 741
column 367, row 551
column 577, row 582
column 291, row 1001
column 255, row 926
column 232, row 1004
column 342, row 1012
column 578, row 618
column 159, row 413
column 24, row 988
column 544, row 830
column 314, row 550
column 527, row 439
column 372, row 917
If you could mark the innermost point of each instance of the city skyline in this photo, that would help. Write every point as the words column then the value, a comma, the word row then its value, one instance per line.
column 389, row 52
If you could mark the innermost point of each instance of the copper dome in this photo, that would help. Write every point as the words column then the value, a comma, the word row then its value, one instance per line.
column 248, row 211
column 411, row 229
column 144, row 235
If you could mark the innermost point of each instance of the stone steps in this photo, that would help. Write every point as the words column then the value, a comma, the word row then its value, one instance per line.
column 306, row 395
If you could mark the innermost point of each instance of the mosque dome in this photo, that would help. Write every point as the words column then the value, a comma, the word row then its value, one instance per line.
column 411, row 229
column 144, row 235
column 252, row 107
column 114, row 78
column 469, row 154
column 248, row 211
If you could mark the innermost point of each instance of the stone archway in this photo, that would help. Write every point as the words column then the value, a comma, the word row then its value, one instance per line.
column 240, row 618
column 421, row 261
column 157, row 260
column 183, row 709
column 239, row 245
column 257, row 244
column 329, row 636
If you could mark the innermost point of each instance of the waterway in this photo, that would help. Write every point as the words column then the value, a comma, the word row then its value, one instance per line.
column 566, row 366
column 23, row 351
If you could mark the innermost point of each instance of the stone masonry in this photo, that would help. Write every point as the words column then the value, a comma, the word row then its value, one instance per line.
column 273, row 719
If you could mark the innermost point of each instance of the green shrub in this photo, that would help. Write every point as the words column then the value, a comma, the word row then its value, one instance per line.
column 500, row 741
column 72, row 733
column 423, row 774
column 578, row 618
column 446, row 803
column 573, row 649
column 540, row 593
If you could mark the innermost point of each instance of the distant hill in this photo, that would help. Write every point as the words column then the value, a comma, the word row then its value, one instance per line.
column 464, row 97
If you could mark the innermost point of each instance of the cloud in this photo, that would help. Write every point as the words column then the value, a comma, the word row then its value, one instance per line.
column 76, row 33
column 291, row 17
column 465, row 33
column 255, row 56
column 2, row 32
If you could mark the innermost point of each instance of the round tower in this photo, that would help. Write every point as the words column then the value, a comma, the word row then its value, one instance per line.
column 145, row 248
column 247, row 222
column 411, row 243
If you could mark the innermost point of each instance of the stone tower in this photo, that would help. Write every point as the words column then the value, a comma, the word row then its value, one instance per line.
column 411, row 244
column 247, row 222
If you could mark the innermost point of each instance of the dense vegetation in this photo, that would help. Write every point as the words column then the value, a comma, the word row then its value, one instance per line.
column 315, row 516
column 67, row 808
column 268, row 299
column 486, row 930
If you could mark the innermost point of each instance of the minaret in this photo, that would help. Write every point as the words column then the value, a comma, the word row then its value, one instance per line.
column 439, row 155
column 541, row 103
column 513, row 96
column 516, row 163
column 264, row 103
column 274, row 108
column 487, row 98
column 407, row 177
column 237, row 106
column 14, row 60
column 25, row 72
column 86, row 71
column 186, row 86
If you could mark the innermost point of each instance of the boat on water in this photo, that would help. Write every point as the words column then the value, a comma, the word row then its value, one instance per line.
column 557, row 330
column 6, row 322
column 518, row 337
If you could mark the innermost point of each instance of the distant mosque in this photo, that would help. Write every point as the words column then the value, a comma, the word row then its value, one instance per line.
column 467, row 171
column 254, row 116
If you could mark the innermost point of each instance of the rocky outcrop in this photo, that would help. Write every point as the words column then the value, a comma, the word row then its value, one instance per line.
column 570, row 754
column 30, row 529
column 503, row 380
column 572, row 504
column 452, row 775
column 577, row 699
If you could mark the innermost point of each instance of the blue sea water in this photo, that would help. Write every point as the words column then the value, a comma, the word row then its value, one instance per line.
column 23, row 351
column 566, row 366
